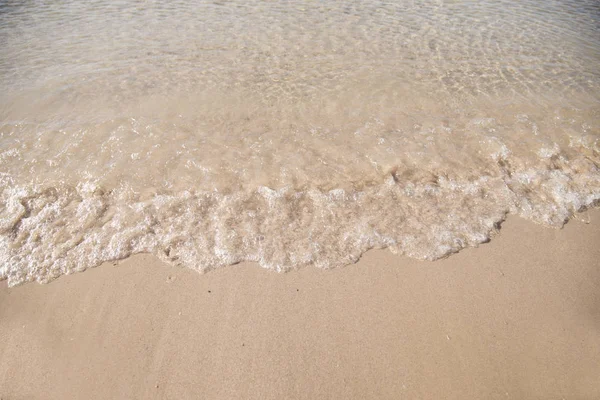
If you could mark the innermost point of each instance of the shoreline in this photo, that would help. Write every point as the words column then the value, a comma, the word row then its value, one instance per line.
column 517, row 317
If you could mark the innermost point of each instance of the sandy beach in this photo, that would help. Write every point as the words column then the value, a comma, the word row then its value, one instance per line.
column 244, row 199
column 517, row 318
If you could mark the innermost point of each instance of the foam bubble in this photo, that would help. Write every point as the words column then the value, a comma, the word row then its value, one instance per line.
column 49, row 231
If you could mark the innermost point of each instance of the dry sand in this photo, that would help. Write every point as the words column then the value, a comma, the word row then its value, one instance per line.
column 518, row 318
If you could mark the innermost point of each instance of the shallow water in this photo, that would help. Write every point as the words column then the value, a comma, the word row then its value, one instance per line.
column 288, row 133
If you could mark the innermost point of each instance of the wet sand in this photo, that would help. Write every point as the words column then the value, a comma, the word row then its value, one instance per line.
column 517, row 318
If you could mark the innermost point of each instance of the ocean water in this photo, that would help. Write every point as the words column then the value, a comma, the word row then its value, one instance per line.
column 288, row 133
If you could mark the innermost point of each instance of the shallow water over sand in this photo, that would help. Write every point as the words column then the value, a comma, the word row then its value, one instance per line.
column 292, row 133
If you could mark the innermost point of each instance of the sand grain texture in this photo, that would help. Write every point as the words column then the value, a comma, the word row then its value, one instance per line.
column 516, row 318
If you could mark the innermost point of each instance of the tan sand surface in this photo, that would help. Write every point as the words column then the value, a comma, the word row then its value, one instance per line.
column 518, row 318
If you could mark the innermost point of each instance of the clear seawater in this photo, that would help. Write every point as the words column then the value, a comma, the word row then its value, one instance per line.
column 288, row 133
